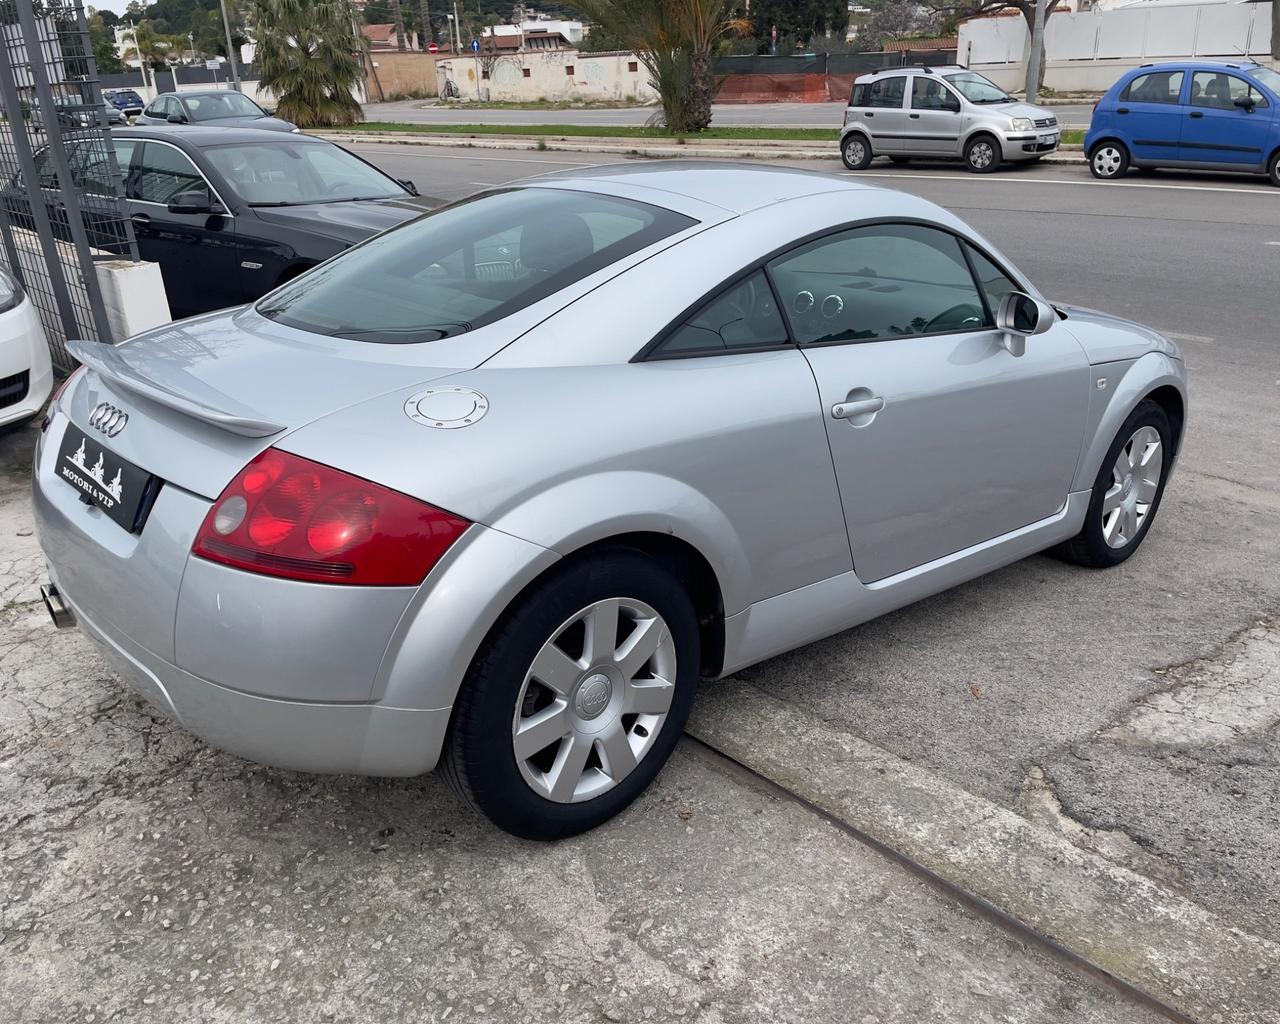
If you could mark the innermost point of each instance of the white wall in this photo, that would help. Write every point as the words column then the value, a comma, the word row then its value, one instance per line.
column 1090, row 50
column 596, row 76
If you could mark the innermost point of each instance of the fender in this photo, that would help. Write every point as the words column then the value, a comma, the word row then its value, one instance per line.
column 581, row 511
column 1128, row 383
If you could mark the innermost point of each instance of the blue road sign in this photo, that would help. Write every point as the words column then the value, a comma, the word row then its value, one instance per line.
column 475, row 46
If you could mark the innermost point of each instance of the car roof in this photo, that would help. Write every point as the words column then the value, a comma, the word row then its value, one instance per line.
column 1221, row 65
column 202, row 137
column 928, row 69
column 206, row 92
column 738, row 188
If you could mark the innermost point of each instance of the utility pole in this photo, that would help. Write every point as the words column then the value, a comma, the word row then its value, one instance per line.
column 231, row 53
column 1037, row 49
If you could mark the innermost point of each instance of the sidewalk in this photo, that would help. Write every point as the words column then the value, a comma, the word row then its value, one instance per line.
column 709, row 149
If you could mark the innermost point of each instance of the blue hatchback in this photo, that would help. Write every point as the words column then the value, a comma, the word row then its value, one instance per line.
column 1197, row 114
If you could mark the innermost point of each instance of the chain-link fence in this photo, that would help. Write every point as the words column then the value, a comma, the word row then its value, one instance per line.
column 61, row 210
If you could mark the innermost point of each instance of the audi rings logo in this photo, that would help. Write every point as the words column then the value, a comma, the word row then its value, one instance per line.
column 108, row 419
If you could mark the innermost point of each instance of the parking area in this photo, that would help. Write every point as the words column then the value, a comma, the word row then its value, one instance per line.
column 1133, row 714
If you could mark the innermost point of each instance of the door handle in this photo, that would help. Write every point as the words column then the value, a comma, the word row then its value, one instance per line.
column 1196, row 113
column 852, row 410
column 140, row 219
column 914, row 117
column 868, row 114
column 1122, row 110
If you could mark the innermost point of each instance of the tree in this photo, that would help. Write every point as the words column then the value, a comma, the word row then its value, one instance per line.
column 800, row 20
column 428, row 36
column 103, row 41
column 892, row 19
column 955, row 11
column 308, row 58
column 675, row 40
column 397, row 17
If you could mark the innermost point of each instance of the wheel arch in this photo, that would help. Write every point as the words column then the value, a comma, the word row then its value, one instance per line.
column 1111, row 137
column 1156, row 376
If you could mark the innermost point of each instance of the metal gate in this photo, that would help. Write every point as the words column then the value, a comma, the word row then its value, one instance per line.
column 61, row 206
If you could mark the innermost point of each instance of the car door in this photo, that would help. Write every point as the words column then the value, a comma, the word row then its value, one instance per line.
column 1218, row 131
column 956, row 441
column 196, row 252
column 933, row 122
column 884, row 115
column 1150, row 111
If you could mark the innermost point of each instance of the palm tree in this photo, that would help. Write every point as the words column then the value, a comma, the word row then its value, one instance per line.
column 675, row 40
column 427, row 35
column 308, row 58
column 397, row 16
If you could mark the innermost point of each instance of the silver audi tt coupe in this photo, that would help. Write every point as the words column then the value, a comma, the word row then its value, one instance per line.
column 494, row 489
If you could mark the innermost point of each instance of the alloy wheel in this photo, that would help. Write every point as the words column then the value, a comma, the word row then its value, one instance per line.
column 981, row 155
column 1135, row 482
column 855, row 151
column 1107, row 161
column 594, row 700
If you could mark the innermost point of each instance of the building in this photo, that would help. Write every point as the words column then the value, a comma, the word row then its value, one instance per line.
column 531, row 34
column 382, row 38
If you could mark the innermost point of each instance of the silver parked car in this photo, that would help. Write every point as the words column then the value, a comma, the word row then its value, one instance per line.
column 496, row 487
column 942, row 113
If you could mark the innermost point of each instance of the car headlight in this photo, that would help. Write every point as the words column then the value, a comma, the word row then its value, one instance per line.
column 1023, row 124
column 11, row 293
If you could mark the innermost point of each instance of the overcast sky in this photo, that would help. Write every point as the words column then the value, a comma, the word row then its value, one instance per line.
column 108, row 5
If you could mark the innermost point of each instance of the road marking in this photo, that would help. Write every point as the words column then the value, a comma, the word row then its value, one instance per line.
column 908, row 176
column 1151, row 939
column 1189, row 337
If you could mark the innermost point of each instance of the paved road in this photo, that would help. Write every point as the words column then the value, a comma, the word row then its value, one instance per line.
column 1065, row 661
column 790, row 115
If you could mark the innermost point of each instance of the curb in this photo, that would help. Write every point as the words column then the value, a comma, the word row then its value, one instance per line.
column 764, row 149
column 1153, row 941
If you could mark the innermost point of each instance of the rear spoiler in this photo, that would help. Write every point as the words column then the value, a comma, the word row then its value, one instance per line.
column 216, row 409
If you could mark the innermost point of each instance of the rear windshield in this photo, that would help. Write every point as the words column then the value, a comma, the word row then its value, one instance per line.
column 467, row 265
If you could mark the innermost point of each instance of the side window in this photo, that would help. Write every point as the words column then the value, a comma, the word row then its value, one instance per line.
column 930, row 94
column 887, row 92
column 1215, row 89
column 744, row 316
column 858, row 98
column 883, row 281
column 993, row 281
column 164, row 173
column 1156, row 87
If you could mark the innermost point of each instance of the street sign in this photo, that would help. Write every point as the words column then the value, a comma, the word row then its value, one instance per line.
column 432, row 48
column 212, row 65
column 475, row 46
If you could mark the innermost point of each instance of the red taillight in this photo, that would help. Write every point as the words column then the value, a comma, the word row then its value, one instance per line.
column 287, row 516
column 57, row 393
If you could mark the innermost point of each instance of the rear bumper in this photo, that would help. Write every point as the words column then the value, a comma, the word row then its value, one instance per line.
column 363, row 739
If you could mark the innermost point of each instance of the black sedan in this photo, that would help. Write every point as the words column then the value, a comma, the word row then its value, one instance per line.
column 223, row 108
column 228, row 213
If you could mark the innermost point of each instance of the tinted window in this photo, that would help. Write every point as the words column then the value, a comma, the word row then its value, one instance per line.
column 289, row 173
column 744, row 316
column 885, row 281
column 164, row 173
column 90, row 165
column 993, row 281
column 1156, row 87
column 858, row 98
column 468, row 264
column 1215, row 89
column 930, row 94
column 886, row 92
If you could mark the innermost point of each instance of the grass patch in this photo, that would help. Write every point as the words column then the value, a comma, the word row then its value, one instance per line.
column 1073, row 137
column 745, row 134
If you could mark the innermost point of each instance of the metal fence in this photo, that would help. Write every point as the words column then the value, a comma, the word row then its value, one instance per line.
column 61, row 207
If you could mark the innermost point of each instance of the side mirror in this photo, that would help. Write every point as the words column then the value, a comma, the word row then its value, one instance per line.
column 409, row 185
column 1246, row 103
column 1021, row 317
column 177, row 118
column 194, row 203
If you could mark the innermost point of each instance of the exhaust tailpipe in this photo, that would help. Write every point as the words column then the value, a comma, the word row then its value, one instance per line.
column 63, row 617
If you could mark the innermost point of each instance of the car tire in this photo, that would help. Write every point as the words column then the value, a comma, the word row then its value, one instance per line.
column 1111, row 534
column 982, row 154
column 1108, row 160
column 1273, row 168
column 855, row 151
column 503, row 696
